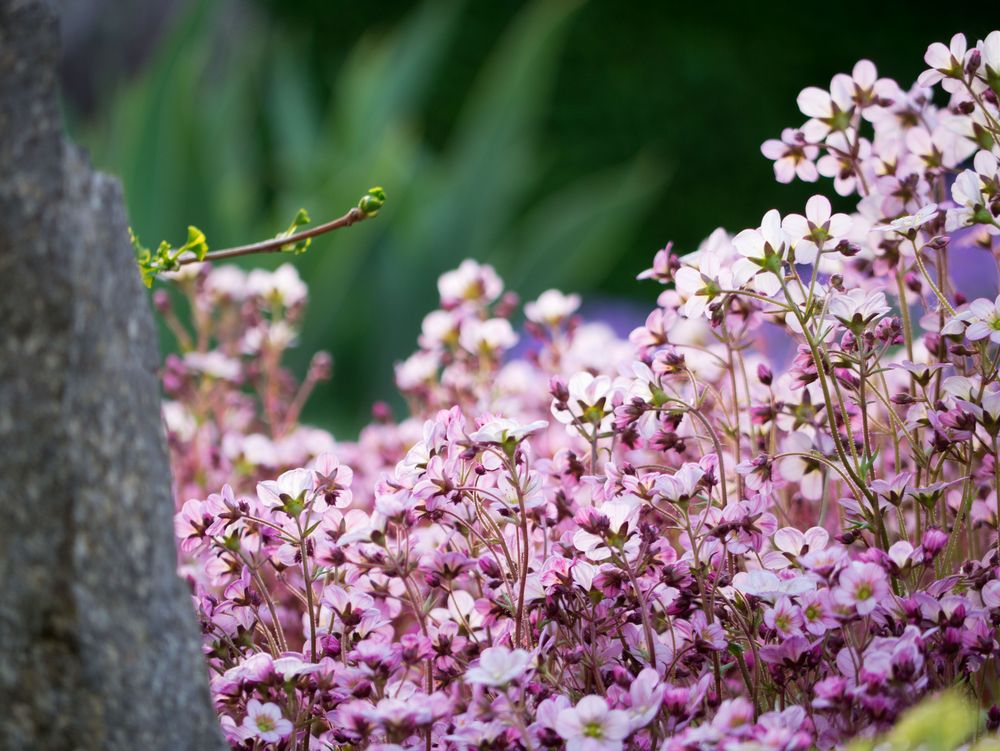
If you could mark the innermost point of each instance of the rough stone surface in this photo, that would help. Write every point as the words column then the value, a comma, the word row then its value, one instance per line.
column 98, row 642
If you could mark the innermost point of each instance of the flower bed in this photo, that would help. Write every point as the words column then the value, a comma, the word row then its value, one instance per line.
column 682, row 540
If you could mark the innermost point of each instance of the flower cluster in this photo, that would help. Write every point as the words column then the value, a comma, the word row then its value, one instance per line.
column 767, row 519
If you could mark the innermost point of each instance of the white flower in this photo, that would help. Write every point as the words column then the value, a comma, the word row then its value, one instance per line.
column 768, row 586
column 621, row 514
column 418, row 369
column 794, row 542
column 589, row 402
column 945, row 64
column 804, row 472
column 214, row 364
column 469, row 282
column 900, row 553
column 857, row 309
column 763, row 251
column 264, row 721
column 291, row 484
column 967, row 192
column 827, row 110
column 283, row 284
column 904, row 224
column 227, row 281
column 592, row 726
column 499, row 430
column 817, row 227
column 706, row 272
column 991, row 594
column 498, row 666
column 552, row 307
column 439, row 327
column 983, row 317
column 487, row 336
column 682, row 485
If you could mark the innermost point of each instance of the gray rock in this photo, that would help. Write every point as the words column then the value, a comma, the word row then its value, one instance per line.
column 98, row 640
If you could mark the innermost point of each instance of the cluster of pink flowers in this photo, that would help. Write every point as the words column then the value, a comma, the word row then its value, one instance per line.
column 690, row 539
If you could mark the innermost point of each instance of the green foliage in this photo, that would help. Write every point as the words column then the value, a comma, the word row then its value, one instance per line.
column 165, row 257
column 264, row 134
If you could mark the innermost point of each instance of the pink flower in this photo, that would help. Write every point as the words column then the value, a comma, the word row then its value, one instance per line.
column 840, row 164
column 198, row 521
column 784, row 618
column 817, row 612
column 645, row 695
column 991, row 594
column 792, row 156
column 592, row 726
column 333, row 480
column 863, row 586
column 681, row 486
column 264, row 722
column 665, row 263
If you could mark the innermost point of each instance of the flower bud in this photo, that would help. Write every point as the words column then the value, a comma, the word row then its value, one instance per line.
column 321, row 366
column 764, row 374
column 974, row 60
column 490, row 568
column 993, row 719
column 506, row 305
column 847, row 248
column 161, row 300
column 381, row 412
column 559, row 391
column 933, row 542
column 372, row 201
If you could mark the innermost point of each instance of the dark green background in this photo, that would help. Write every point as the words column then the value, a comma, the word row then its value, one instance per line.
column 563, row 142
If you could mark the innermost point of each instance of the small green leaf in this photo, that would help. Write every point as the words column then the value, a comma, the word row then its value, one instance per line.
column 301, row 219
column 867, row 465
column 196, row 243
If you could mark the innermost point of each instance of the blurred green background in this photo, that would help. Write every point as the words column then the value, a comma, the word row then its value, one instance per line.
column 564, row 142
